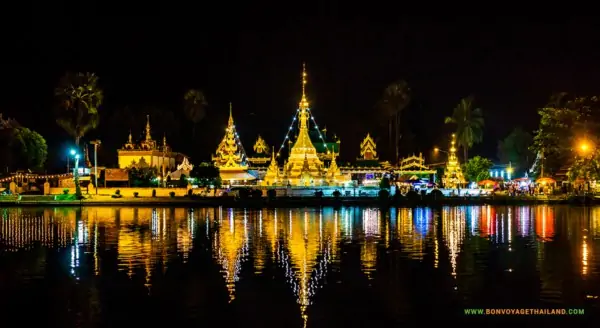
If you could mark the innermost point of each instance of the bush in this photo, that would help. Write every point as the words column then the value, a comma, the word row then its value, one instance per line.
column 318, row 194
column 412, row 195
column 153, row 192
column 66, row 191
column 172, row 194
column 336, row 194
column 225, row 194
column 436, row 194
column 257, row 193
column 118, row 192
column 190, row 192
column 384, row 194
column 136, row 194
column 272, row 193
column 244, row 193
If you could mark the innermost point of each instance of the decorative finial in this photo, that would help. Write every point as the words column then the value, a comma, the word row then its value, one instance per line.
column 148, row 136
column 303, row 80
column 130, row 137
column 273, row 153
column 230, row 114
column 303, row 101
column 165, row 140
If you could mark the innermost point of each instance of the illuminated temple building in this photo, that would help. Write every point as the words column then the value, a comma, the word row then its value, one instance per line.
column 230, row 156
column 453, row 175
column 304, row 165
column 147, row 153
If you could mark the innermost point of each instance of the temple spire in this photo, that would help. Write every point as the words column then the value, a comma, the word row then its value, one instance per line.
column 130, row 137
column 230, row 122
column 165, row 140
column 303, row 101
column 148, row 136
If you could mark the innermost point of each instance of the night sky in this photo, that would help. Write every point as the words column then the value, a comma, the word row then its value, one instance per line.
column 510, row 65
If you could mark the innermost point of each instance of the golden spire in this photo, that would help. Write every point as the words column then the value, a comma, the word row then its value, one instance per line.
column 165, row 140
column 303, row 102
column 130, row 137
column 148, row 136
column 273, row 154
column 230, row 122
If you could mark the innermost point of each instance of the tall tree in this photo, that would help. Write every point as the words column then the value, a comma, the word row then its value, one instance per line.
column 79, row 98
column 396, row 98
column 30, row 147
column 469, row 124
column 194, row 107
column 563, row 120
column 477, row 169
column 514, row 149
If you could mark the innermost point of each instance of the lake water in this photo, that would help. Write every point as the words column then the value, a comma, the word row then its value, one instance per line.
column 347, row 267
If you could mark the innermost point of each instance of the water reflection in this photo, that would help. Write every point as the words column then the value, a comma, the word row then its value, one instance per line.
column 548, row 244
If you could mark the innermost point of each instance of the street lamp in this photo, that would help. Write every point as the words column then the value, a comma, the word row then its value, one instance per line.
column 76, row 173
column 96, row 143
column 437, row 150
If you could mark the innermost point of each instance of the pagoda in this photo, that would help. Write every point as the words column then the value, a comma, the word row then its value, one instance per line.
column 230, row 156
column 453, row 175
column 147, row 153
column 368, row 148
column 272, row 175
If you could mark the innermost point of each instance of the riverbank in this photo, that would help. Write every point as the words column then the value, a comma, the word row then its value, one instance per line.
column 260, row 202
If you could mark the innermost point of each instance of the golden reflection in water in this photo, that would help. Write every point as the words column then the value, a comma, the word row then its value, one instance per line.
column 259, row 250
column 371, row 219
column 453, row 230
column 230, row 246
column 584, row 256
column 544, row 223
column 306, row 248
column 21, row 229
column 595, row 222
column 413, row 227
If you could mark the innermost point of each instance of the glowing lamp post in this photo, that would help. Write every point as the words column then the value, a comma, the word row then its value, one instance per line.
column 76, row 173
column 96, row 143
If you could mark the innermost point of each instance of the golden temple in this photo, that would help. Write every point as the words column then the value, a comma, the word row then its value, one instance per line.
column 368, row 149
column 230, row 156
column 303, row 166
column 147, row 153
column 453, row 175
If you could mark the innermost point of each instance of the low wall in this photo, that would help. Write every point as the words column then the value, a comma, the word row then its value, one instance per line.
column 126, row 192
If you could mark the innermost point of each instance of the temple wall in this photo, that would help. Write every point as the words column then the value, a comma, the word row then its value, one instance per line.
column 126, row 191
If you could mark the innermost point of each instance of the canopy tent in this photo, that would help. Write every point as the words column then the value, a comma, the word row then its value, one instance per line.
column 487, row 183
column 545, row 181
column 236, row 176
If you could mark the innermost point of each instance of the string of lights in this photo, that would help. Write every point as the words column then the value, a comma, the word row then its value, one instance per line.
column 287, row 133
column 35, row 176
column 291, row 127
column 239, row 143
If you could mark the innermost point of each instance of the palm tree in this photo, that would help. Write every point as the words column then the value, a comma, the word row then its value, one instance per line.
column 79, row 99
column 469, row 124
column 194, row 107
column 395, row 98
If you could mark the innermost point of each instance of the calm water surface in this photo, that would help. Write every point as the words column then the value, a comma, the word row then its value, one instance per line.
column 348, row 267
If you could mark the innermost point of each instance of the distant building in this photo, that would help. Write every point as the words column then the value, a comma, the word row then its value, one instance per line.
column 148, row 153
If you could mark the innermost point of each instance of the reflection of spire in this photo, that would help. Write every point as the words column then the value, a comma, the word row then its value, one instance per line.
column 310, row 246
column 372, row 231
column 453, row 229
column 230, row 249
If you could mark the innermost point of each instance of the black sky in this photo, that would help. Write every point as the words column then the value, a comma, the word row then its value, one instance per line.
column 511, row 65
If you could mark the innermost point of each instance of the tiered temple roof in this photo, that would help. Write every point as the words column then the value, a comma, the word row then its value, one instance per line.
column 148, row 151
column 368, row 149
column 413, row 167
column 230, row 157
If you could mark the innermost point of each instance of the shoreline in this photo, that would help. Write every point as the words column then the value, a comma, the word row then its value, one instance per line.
column 284, row 202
